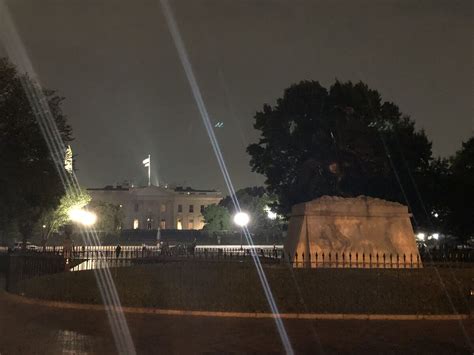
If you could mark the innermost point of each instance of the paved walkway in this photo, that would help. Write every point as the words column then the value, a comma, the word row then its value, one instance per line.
column 33, row 329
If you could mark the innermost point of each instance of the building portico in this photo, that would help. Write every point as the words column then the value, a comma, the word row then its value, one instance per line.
column 154, row 207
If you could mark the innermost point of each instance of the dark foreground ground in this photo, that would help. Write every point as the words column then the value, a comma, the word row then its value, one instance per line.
column 232, row 286
column 32, row 329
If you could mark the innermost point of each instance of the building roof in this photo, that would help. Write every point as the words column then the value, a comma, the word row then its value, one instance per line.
column 191, row 190
column 178, row 189
column 109, row 188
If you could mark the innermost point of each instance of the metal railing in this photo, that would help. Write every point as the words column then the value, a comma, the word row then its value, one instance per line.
column 383, row 260
column 356, row 260
column 28, row 264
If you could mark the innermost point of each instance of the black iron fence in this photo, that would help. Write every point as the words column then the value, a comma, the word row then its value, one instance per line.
column 355, row 260
column 19, row 266
column 103, row 252
column 27, row 265
column 383, row 260
column 134, row 252
column 277, row 255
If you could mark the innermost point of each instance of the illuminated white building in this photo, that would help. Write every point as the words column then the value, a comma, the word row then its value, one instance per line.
column 153, row 207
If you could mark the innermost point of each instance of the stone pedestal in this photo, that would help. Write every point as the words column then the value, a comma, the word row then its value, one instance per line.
column 351, row 232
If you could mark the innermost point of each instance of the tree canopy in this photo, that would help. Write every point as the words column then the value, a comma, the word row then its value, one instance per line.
column 460, row 199
column 109, row 217
column 216, row 218
column 60, row 216
column 341, row 141
column 252, row 200
column 29, row 184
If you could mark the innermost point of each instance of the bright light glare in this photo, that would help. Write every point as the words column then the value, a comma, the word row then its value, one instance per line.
column 436, row 236
column 270, row 214
column 81, row 216
column 420, row 236
column 241, row 219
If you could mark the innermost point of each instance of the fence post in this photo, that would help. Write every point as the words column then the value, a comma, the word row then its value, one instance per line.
column 323, row 259
column 330, row 259
column 370, row 260
column 363, row 260
column 7, row 273
column 377, row 257
column 411, row 261
column 343, row 260
column 316, row 262
column 404, row 261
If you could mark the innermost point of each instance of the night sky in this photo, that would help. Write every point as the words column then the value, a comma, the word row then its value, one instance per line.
column 127, row 95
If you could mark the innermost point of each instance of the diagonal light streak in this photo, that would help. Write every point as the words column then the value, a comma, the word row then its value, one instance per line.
column 184, row 58
column 39, row 105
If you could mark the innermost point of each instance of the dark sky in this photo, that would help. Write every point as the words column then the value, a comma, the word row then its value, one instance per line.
column 127, row 94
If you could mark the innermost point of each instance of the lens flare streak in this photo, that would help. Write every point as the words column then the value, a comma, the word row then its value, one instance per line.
column 39, row 104
column 183, row 56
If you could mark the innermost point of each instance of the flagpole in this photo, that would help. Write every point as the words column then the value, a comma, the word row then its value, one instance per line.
column 149, row 167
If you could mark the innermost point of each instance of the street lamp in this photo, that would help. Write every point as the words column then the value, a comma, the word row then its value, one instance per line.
column 82, row 216
column 241, row 219
column 43, row 237
column 79, row 216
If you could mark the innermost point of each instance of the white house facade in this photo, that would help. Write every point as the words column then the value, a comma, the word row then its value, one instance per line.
column 154, row 207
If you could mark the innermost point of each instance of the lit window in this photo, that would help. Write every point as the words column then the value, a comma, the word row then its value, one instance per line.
column 180, row 208
column 163, row 207
column 162, row 224
column 191, row 208
column 199, row 224
column 191, row 224
column 135, row 223
column 179, row 224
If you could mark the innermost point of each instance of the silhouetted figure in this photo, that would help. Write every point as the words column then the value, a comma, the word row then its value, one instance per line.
column 118, row 249
column 193, row 246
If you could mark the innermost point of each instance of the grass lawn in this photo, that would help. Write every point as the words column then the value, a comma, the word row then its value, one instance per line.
column 236, row 287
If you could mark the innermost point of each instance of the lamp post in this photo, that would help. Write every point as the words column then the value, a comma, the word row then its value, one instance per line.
column 272, row 216
column 43, row 237
column 241, row 219
column 78, row 216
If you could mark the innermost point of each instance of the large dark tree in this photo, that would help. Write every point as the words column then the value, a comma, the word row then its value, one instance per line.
column 216, row 218
column 29, row 184
column 343, row 141
column 254, row 201
column 460, row 196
